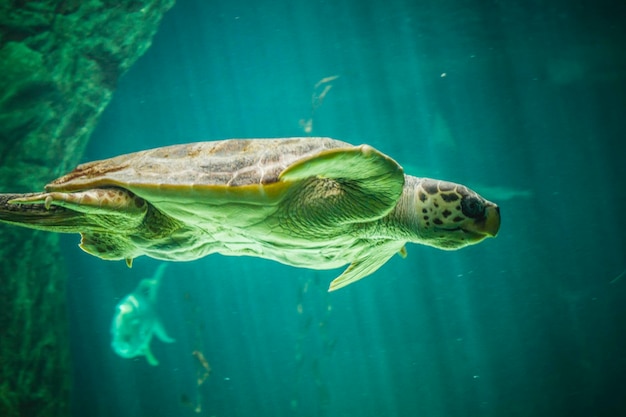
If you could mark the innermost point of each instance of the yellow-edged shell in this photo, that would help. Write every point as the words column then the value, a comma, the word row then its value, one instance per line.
column 208, row 181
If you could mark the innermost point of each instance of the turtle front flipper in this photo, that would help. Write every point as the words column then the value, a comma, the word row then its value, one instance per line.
column 341, row 186
column 368, row 263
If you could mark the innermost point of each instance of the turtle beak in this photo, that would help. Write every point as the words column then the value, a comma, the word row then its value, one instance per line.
column 492, row 220
column 486, row 226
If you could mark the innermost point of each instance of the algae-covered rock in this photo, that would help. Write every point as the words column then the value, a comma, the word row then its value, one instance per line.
column 60, row 61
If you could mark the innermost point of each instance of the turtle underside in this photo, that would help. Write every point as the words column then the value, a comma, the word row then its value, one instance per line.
column 308, row 202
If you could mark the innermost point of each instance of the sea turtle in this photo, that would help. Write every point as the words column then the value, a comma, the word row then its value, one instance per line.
column 309, row 202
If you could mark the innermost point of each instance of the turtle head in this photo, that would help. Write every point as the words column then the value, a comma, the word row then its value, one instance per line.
column 450, row 216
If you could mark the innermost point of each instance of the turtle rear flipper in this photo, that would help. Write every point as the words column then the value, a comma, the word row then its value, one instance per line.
column 37, row 216
column 90, row 210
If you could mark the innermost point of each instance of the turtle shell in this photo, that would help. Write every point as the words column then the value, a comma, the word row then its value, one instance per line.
column 202, row 166
column 238, row 180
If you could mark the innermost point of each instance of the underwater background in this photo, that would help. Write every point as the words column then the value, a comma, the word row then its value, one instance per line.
column 524, row 101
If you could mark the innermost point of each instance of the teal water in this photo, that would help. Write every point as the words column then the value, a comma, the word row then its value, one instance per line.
column 523, row 101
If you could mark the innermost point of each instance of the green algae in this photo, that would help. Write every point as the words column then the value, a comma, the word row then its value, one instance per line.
column 60, row 63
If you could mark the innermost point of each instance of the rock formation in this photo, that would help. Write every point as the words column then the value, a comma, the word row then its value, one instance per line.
column 60, row 61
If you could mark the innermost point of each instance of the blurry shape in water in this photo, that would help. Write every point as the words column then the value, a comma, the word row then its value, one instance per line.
column 496, row 192
column 442, row 134
column 136, row 320
column 502, row 193
column 309, row 202
column 204, row 370
column 317, row 99
column 617, row 278
column 314, row 308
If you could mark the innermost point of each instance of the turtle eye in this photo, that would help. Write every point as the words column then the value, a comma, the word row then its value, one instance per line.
column 473, row 207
